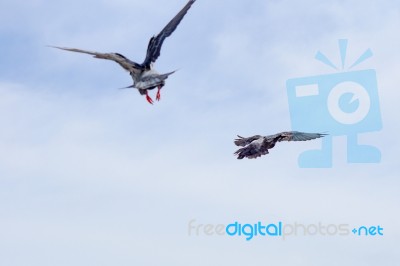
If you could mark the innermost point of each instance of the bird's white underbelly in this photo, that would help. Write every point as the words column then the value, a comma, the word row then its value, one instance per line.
column 149, row 73
column 149, row 79
column 257, row 142
column 143, row 85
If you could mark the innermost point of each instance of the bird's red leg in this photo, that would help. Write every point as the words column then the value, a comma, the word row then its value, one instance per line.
column 158, row 97
column 148, row 98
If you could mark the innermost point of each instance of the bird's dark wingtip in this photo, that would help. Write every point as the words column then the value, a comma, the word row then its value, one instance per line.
column 128, row 87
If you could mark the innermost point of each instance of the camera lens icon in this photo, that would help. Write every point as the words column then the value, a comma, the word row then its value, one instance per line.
column 348, row 103
column 340, row 103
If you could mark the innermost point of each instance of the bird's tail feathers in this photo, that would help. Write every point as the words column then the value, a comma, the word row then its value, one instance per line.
column 239, row 153
column 249, row 153
column 241, row 141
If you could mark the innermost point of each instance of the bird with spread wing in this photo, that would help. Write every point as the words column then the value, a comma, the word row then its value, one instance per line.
column 257, row 145
column 144, row 76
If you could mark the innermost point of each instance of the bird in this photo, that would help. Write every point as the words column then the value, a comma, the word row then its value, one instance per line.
column 144, row 76
column 258, row 145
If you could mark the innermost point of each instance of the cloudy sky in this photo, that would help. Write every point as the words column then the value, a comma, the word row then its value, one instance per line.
column 93, row 175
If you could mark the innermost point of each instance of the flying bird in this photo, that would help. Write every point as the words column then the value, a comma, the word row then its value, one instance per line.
column 257, row 145
column 144, row 76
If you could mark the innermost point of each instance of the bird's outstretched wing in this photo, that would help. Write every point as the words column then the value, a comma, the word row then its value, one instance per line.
column 155, row 43
column 296, row 136
column 124, row 62
column 241, row 141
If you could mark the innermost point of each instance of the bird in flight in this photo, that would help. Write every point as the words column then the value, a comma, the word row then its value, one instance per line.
column 257, row 145
column 144, row 76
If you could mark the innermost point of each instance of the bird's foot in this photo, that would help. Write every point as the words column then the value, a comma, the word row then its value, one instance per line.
column 149, row 99
column 158, row 96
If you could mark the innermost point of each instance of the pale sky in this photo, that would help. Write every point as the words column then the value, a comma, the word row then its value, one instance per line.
column 93, row 175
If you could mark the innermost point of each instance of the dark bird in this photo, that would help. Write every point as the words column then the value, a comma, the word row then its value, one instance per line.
column 257, row 145
column 144, row 76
